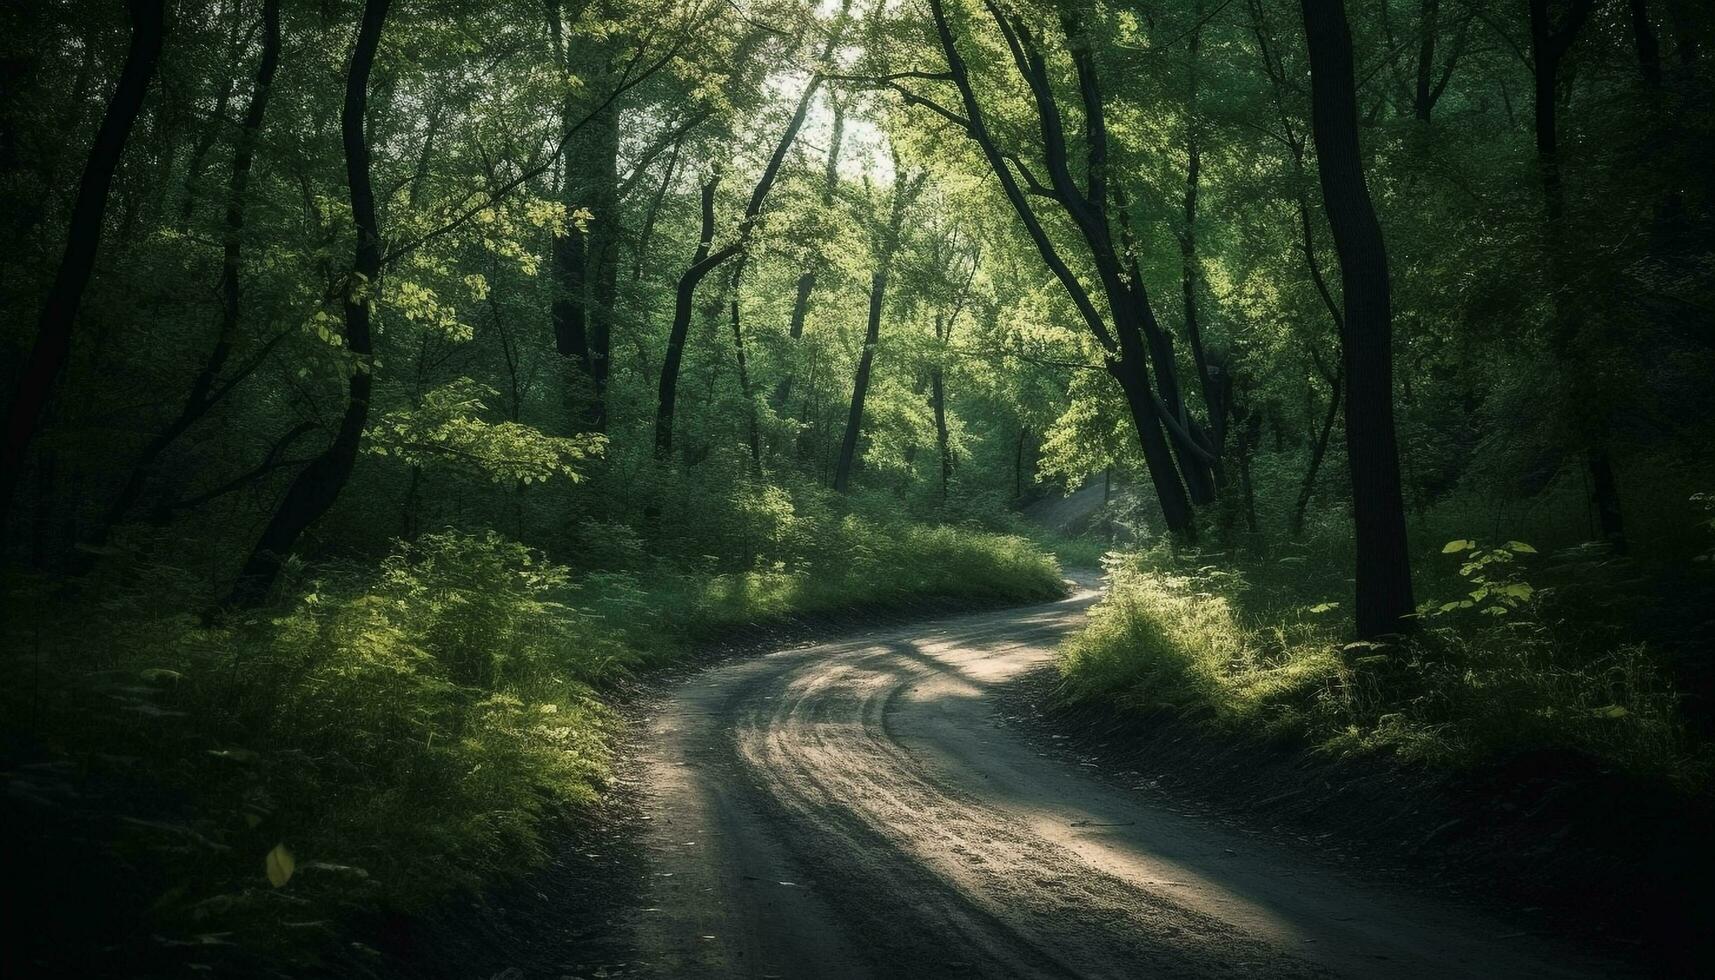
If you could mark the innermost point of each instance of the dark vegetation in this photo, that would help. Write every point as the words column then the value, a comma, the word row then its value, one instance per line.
column 388, row 382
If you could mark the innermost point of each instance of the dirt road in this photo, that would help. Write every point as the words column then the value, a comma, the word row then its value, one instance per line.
column 855, row 809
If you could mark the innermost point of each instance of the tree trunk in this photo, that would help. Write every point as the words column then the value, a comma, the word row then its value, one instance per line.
column 59, row 313
column 202, row 395
column 706, row 262
column 585, row 272
column 860, row 385
column 943, row 450
column 1318, row 450
column 1422, row 101
column 685, row 296
column 904, row 192
column 1549, row 44
column 1384, row 597
column 752, row 428
column 1214, row 391
column 807, row 281
column 641, row 252
column 1126, row 359
column 318, row 484
column 1157, row 455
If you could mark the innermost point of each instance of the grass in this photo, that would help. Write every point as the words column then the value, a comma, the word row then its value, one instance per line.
column 237, row 790
column 1258, row 648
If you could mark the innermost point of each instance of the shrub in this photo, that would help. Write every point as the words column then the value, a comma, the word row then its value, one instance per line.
column 1172, row 637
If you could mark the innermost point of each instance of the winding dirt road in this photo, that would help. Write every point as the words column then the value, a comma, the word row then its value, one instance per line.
column 855, row 809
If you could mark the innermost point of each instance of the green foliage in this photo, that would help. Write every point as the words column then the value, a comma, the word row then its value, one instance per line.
column 447, row 430
column 392, row 732
column 1498, row 584
column 1226, row 650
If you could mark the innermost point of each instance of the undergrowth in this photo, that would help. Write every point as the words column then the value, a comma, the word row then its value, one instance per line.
column 1257, row 646
column 236, row 789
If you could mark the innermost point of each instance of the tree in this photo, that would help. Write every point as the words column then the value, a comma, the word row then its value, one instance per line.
column 905, row 191
column 1128, row 357
column 1384, row 598
column 207, row 389
column 318, row 484
column 54, row 327
column 707, row 259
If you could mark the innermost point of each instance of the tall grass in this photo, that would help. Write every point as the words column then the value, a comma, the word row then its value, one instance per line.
column 234, row 789
column 1242, row 651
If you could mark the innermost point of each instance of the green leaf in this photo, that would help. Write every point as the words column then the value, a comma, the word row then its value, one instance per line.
column 1454, row 547
column 1519, row 547
column 279, row 864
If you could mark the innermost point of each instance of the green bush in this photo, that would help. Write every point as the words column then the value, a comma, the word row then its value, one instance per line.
column 392, row 732
column 1197, row 643
column 388, row 736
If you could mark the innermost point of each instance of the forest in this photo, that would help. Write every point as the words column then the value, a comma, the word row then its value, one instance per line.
column 424, row 415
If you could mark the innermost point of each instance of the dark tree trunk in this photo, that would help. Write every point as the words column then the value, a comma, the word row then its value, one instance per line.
column 943, row 449
column 318, row 484
column 1126, row 357
column 203, row 395
column 1213, row 386
column 860, row 385
column 640, row 254
column 1384, row 598
column 1318, row 450
column 807, row 281
column 585, row 262
column 904, row 192
column 1550, row 43
column 706, row 261
column 1423, row 101
column 1157, row 454
column 604, row 263
column 753, row 432
column 59, row 313
column 685, row 296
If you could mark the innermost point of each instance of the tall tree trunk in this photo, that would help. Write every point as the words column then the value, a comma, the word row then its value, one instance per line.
column 684, row 301
column 641, row 253
column 1126, row 358
column 706, row 261
column 860, row 385
column 943, row 449
column 584, row 273
column 1215, row 401
column 604, row 262
column 1318, row 450
column 807, row 281
column 202, row 395
column 59, row 312
column 318, row 484
column 753, row 432
column 905, row 191
column 1428, row 22
column 1550, row 43
column 1384, row 597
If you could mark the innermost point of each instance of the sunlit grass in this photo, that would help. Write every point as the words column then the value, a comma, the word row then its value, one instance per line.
column 1176, row 638
column 395, row 731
